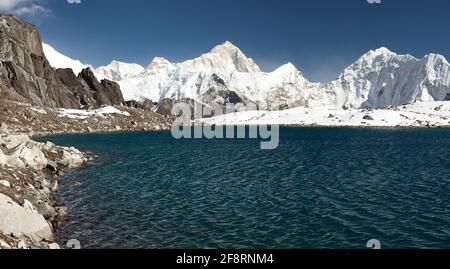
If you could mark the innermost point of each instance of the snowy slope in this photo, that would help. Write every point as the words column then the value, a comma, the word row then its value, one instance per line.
column 421, row 114
column 58, row 60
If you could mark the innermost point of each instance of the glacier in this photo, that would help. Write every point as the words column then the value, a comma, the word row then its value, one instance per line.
column 378, row 79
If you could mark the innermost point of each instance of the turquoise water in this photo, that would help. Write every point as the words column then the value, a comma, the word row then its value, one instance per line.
column 322, row 188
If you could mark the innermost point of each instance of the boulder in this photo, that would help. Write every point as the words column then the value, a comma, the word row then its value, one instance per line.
column 4, row 245
column 112, row 92
column 22, row 223
column 5, row 183
column 21, row 151
column 53, row 246
column 72, row 158
column 147, row 104
column 165, row 107
column 368, row 117
column 29, row 206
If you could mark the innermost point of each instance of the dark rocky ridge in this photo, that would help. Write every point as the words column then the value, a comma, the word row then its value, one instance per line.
column 26, row 75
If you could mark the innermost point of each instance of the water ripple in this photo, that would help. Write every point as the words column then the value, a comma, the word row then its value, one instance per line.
column 322, row 188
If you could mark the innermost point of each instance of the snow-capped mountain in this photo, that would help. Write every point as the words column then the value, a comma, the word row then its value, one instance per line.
column 118, row 71
column 381, row 78
column 58, row 60
column 378, row 79
column 224, row 69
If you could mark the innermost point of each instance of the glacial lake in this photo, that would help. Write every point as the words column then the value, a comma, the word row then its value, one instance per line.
column 322, row 188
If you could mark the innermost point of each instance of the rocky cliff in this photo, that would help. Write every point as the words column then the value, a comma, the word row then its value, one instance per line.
column 26, row 75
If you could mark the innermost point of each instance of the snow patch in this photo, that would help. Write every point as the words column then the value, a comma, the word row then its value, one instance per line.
column 84, row 114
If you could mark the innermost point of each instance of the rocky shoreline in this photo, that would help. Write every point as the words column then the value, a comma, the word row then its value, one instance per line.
column 40, row 121
column 38, row 100
column 30, row 171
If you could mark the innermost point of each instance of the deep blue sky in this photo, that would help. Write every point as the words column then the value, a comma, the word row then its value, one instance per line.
column 321, row 37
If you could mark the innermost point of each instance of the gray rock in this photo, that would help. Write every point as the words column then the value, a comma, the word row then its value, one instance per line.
column 53, row 246
column 145, row 105
column 52, row 165
column 105, row 92
column 4, row 245
column 4, row 128
column 165, row 107
column 19, row 222
column 49, row 146
column 73, row 158
column 29, row 206
column 43, row 208
column 5, row 183
column 21, row 151
column 439, row 108
column 368, row 117
column 22, row 245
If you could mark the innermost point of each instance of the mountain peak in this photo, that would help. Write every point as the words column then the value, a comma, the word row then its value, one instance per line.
column 372, row 56
column 225, row 47
column 286, row 68
column 228, row 55
column 228, row 43
column 158, row 62
column 383, row 50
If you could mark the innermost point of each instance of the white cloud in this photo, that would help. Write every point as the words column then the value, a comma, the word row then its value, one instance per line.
column 28, row 8
column 74, row 1
column 9, row 5
column 31, row 9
